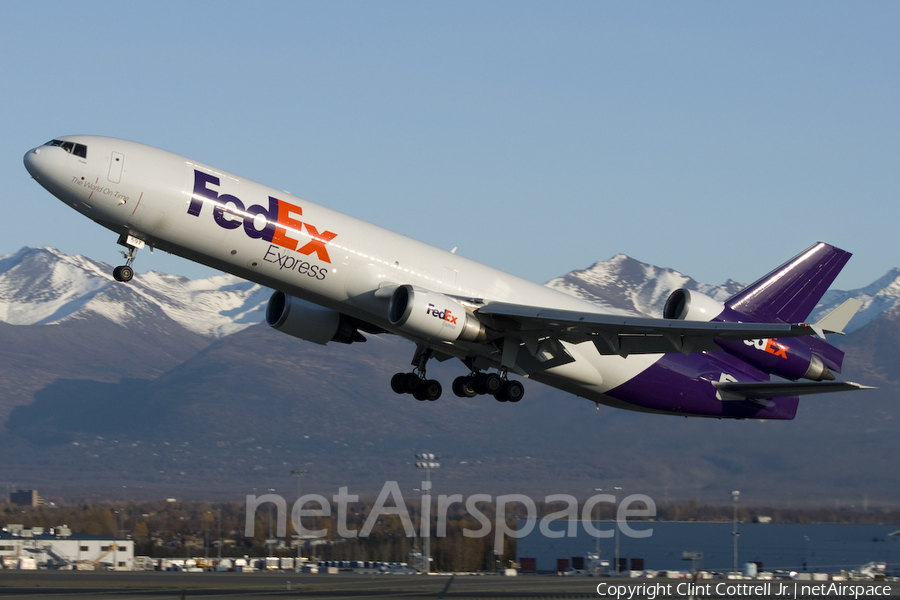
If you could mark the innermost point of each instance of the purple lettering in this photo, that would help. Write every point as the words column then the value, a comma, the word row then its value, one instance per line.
column 201, row 191
column 222, row 210
column 271, row 218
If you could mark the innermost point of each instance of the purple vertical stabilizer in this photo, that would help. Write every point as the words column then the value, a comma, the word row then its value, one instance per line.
column 791, row 292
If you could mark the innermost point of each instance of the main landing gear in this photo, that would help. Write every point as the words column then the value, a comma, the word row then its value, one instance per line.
column 494, row 384
column 417, row 385
column 416, row 382
column 467, row 386
column 124, row 273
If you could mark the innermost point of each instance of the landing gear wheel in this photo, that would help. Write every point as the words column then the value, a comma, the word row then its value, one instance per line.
column 487, row 383
column 431, row 389
column 410, row 383
column 123, row 273
column 416, row 383
column 397, row 383
column 463, row 387
column 512, row 391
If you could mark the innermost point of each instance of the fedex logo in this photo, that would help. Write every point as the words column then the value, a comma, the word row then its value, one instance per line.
column 444, row 315
column 771, row 346
column 278, row 224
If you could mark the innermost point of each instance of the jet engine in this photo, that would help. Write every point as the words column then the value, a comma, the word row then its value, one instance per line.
column 309, row 321
column 791, row 358
column 433, row 316
column 686, row 305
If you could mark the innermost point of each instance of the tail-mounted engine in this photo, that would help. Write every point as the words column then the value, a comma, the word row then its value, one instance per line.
column 686, row 305
column 791, row 358
column 309, row 321
column 433, row 316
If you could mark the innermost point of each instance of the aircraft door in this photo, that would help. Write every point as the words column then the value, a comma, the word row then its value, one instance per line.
column 116, row 164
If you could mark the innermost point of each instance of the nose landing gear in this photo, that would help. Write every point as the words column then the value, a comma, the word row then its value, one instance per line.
column 124, row 273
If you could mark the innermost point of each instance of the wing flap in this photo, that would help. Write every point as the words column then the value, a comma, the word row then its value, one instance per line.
column 624, row 335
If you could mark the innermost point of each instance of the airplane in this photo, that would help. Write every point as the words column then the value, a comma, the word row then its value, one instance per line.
column 336, row 277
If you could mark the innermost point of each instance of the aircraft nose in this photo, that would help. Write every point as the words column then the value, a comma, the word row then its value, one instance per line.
column 33, row 162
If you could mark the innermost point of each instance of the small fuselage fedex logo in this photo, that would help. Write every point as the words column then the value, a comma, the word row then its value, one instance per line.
column 443, row 315
column 279, row 222
column 772, row 346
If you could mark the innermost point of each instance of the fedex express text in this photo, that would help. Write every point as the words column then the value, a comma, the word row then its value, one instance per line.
column 279, row 224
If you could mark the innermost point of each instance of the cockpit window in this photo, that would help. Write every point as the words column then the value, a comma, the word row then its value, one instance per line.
column 70, row 147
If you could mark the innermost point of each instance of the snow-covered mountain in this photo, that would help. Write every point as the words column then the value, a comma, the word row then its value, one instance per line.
column 162, row 382
column 40, row 286
column 43, row 286
column 623, row 284
column 880, row 297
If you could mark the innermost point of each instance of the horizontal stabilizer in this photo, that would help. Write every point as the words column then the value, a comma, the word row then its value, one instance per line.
column 763, row 390
column 837, row 319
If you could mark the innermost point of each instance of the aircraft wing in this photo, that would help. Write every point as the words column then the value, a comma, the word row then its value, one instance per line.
column 624, row 335
column 761, row 390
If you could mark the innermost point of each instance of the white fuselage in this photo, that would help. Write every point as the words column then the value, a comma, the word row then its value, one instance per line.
column 316, row 253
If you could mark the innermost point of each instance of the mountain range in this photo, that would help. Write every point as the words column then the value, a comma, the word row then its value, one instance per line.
column 171, row 387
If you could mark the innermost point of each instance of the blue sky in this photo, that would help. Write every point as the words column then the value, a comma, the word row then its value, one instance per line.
column 716, row 138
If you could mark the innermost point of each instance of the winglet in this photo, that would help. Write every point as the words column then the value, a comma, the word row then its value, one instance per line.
column 837, row 319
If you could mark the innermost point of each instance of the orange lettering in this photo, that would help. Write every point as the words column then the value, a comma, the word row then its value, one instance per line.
column 317, row 243
column 773, row 347
column 286, row 223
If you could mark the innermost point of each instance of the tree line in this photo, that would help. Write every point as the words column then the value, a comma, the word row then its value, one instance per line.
column 187, row 529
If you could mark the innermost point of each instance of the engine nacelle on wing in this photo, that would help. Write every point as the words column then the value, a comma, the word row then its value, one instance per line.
column 433, row 316
column 309, row 321
column 686, row 305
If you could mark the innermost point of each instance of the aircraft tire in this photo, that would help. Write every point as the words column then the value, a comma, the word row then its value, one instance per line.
column 487, row 383
column 513, row 391
column 397, row 383
column 419, row 393
column 123, row 273
column 432, row 389
column 492, row 383
column 410, row 383
column 463, row 387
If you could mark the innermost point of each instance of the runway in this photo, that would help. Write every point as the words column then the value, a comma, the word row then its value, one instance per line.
column 152, row 585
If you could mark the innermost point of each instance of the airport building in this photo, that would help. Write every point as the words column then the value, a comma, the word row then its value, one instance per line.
column 812, row 548
column 26, row 498
column 58, row 547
